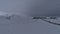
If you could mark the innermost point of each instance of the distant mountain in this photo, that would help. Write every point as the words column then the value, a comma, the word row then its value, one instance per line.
column 14, row 19
column 7, row 19
column 17, row 19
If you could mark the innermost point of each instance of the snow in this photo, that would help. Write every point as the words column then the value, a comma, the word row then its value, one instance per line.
column 27, row 25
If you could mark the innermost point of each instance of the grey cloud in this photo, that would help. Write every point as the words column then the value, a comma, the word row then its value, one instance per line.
column 31, row 7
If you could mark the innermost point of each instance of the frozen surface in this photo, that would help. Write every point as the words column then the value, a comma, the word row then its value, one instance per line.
column 26, row 25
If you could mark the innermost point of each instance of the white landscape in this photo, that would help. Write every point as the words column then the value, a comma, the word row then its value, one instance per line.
column 16, row 16
column 26, row 25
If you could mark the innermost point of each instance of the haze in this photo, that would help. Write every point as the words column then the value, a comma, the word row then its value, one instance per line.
column 31, row 7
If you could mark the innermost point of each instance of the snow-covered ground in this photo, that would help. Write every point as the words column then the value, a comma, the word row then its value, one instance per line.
column 26, row 25
column 23, row 24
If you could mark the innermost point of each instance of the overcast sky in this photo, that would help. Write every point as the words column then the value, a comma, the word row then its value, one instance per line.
column 31, row 7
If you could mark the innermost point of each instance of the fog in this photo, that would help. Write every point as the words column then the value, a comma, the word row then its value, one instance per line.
column 23, row 11
column 31, row 7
